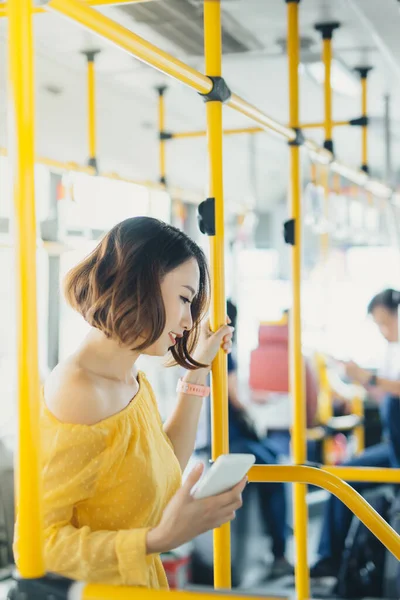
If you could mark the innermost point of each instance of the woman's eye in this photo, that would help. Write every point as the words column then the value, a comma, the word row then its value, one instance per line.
column 185, row 300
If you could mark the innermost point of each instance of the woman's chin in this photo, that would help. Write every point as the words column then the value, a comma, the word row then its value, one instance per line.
column 157, row 350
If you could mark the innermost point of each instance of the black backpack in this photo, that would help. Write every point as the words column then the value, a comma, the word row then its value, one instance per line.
column 6, row 509
column 362, row 569
column 391, row 586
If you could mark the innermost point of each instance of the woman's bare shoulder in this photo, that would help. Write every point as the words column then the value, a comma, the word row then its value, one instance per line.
column 73, row 395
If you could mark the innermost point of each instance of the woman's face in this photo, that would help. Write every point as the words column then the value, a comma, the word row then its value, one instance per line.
column 178, row 288
column 387, row 322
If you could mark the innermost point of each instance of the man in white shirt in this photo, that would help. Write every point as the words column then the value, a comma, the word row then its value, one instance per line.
column 385, row 387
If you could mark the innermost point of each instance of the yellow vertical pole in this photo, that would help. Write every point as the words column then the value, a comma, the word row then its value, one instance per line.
column 327, row 29
column 324, row 236
column 297, row 381
column 363, row 72
column 91, row 106
column 327, row 60
column 357, row 407
column 21, row 89
column 219, row 383
column 364, row 131
column 328, row 143
column 161, row 128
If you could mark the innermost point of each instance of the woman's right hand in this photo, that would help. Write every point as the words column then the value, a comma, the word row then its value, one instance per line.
column 184, row 518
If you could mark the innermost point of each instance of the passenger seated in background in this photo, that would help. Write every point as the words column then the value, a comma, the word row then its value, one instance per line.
column 242, row 438
column 385, row 387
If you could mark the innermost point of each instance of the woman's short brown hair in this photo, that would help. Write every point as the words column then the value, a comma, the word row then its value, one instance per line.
column 117, row 287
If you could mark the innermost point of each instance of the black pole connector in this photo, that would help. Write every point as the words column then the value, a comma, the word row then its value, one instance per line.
column 161, row 90
column 289, row 228
column 328, row 145
column 166, row 135
column 49, row 587
column 92, row 162
column 90, row 55
column 360, row 122
column 363, row 71
column 365, row 168
column 163, row 180
column 299, row 139
column 220, row 91
column 292, row 1
column 327, row 29
column 206, row 216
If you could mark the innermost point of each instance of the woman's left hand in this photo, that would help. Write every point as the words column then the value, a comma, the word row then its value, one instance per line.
column 209, row 343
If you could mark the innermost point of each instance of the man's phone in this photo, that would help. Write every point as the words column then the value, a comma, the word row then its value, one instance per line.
column 226, row 472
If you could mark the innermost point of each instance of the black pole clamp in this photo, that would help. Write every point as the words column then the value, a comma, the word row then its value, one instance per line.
column 327, row 29
column 360, row 122
column 166, row 135
column 49, row 587
column 289, row 228
column 92, row 162
column 363, row 71
column 90, row 55
column 161, row 89
column 299, row 139
column 328, row 145
column 219, row 92
column 206, row 216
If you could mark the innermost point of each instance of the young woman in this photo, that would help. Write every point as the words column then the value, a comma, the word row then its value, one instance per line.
column 113, row 499
column 385, row 386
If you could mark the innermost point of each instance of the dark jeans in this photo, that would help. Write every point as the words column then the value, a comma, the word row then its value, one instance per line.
column 271, row 495
column 338, row 517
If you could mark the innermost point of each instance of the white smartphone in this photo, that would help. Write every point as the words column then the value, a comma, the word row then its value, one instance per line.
column 227, row 471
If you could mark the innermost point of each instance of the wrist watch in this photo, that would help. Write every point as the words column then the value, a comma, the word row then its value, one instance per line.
column 372, row 381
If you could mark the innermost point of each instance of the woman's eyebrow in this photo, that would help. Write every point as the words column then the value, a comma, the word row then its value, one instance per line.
column 189, row 287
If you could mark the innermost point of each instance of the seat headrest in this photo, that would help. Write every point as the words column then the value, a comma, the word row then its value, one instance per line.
column 277, row 334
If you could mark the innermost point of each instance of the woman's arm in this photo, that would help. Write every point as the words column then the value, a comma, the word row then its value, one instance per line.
column 181, row 427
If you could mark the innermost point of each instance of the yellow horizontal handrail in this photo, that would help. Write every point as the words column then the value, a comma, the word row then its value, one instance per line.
column 253, row 113
column 202, row 132
column 71, row 166
column 39, row 10
column 370, row 474
column 132, row 43
column 249, row 130
column 164, row 62
column 322, row 125
column 321, row 478
column 105, row 592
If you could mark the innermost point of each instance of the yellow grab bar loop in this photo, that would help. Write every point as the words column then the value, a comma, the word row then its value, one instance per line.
column 355, row 502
